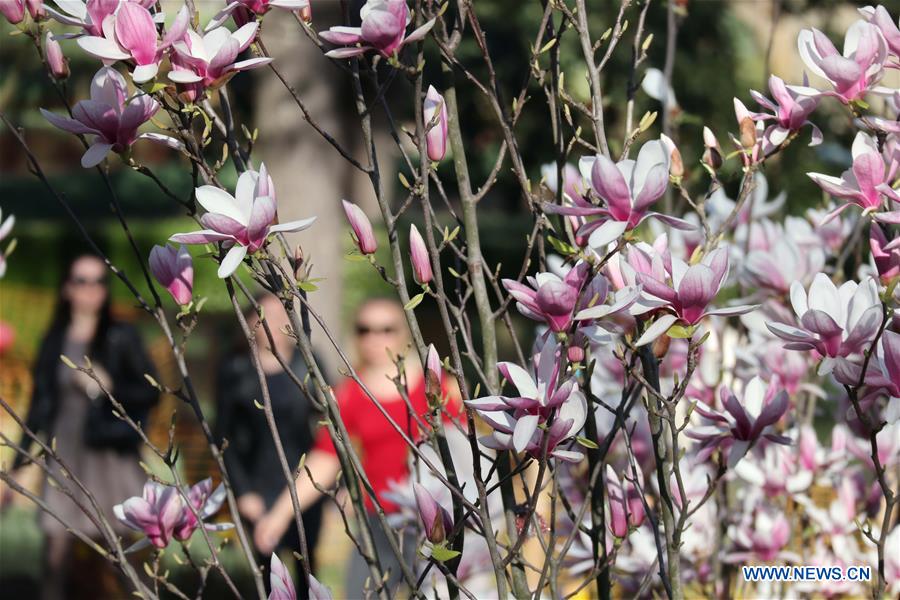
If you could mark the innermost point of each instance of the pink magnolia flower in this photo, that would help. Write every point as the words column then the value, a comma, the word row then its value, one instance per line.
column 418, row 255
column 867, row 183
column 434, row 114
column 573, row 184
column 851, row 74
column 885, row 255
column 761, row 536
column 685, row 291
column 282, row 585
column 882, row 375
column 517, row 420
column 56, row 60
column 627, row 188
column 174, row 270
column 383, row 30
column 362, row 228
column 206, row 502
column 90, row 14
column 560, row 302
column 436, row 521
column 243, row 221
column 774, row 269
column 210, row 60
column 743, row 423
column 880, row 18
column 280, row 581
column 131, row 34
column 790, row 111
column 110, row 117
column 244, row 10
column 156, row 514
column 778, row 471
column 835, row 322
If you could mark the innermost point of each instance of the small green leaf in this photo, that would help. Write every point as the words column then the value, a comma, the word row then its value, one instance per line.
column 414, row 301
column 355, row 257
column 454, row 273
column 307, row 286
column 403, row 181
column 680, row 332
column 442, row 553
column 547, row 46
column 561, row 246
column 67, row 361
column 587, row 443
column 156, row 87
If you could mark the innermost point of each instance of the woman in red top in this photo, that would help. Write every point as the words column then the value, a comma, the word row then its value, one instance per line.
column 381, row 335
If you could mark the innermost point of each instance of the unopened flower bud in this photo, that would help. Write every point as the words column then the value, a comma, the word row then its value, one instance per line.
column 434, row 372
column 13, row 10
column 298, row 262
column 676, row 164
column 56, row 60
column 418, row 253
column 575, row 353
column 435, row 116
column 712, row 156
column 362, row 228
column 661, row 346
column 748, row 133
column 174, row 270
column 435, row 518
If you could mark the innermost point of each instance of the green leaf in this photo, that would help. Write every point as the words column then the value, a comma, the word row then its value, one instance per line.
column 414, row 301
column 307, row 286
column 587, row 443
column 560, row 246
column 680, row 332
column 442, row 553
column 354, row 257
column 156, row 87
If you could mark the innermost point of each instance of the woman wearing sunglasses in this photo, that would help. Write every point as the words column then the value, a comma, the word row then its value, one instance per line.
column 381, row 337
column 73, row 409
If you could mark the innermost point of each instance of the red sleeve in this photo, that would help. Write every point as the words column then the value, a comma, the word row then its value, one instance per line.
column 343, row 395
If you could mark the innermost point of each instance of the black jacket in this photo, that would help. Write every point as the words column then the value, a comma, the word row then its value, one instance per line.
column 251, row 457
column 124, row 358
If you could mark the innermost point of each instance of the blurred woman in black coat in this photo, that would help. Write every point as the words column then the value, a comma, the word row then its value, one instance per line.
column 251, row 457
column 99, row 449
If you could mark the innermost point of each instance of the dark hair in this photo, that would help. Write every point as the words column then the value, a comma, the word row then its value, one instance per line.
column 62, row 314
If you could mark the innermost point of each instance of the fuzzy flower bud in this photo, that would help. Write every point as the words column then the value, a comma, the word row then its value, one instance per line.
column 418, row 253
column 435, row 115
column 362, row 228
column 56, row 60
column 174, row 270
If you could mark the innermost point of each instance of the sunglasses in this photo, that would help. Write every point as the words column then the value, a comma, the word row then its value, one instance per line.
column 363, row 330
column 85, row 281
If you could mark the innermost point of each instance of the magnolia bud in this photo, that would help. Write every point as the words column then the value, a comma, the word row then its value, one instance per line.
column 418, row 254
column 434, row 373
column 174, row 270
column 436, row 520
column 676, row 164
column 13, row 10
column 575, row 353
column 748, row 133
column 712, row 156
column 56, row 60
column 661, row 346
column 298, row 262
column 434, row 114
column 362, row 228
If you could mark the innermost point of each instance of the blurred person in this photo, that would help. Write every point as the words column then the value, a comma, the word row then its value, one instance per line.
column 381, row 336
column 68, row 406
column 251, row 457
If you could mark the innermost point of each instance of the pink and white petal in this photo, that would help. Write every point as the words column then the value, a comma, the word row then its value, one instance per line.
column 738, row 451
column 732, row 311
column 420, row 33
column 204, row 236
column 232, row 261
column 292, row 226
column 251, row 63
column 342, row 35
column 160, row 138
column 792, row 334
column 671, row 221
column 290, row 4
column 347, row 52
column 95, row 154
column 184, row 76
column 138, row 545
column 68, row 124
column 144, row 73
column 571, row 456
column 487, row 403
column 245, row 35
column 102, row 48
column 217, row 200
column 220, row 17
column 525, row 428
column 222, row 224
column 659, row 327
column 606, row 234
column 521, row 379
column 893, row 218
column 262, row 213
